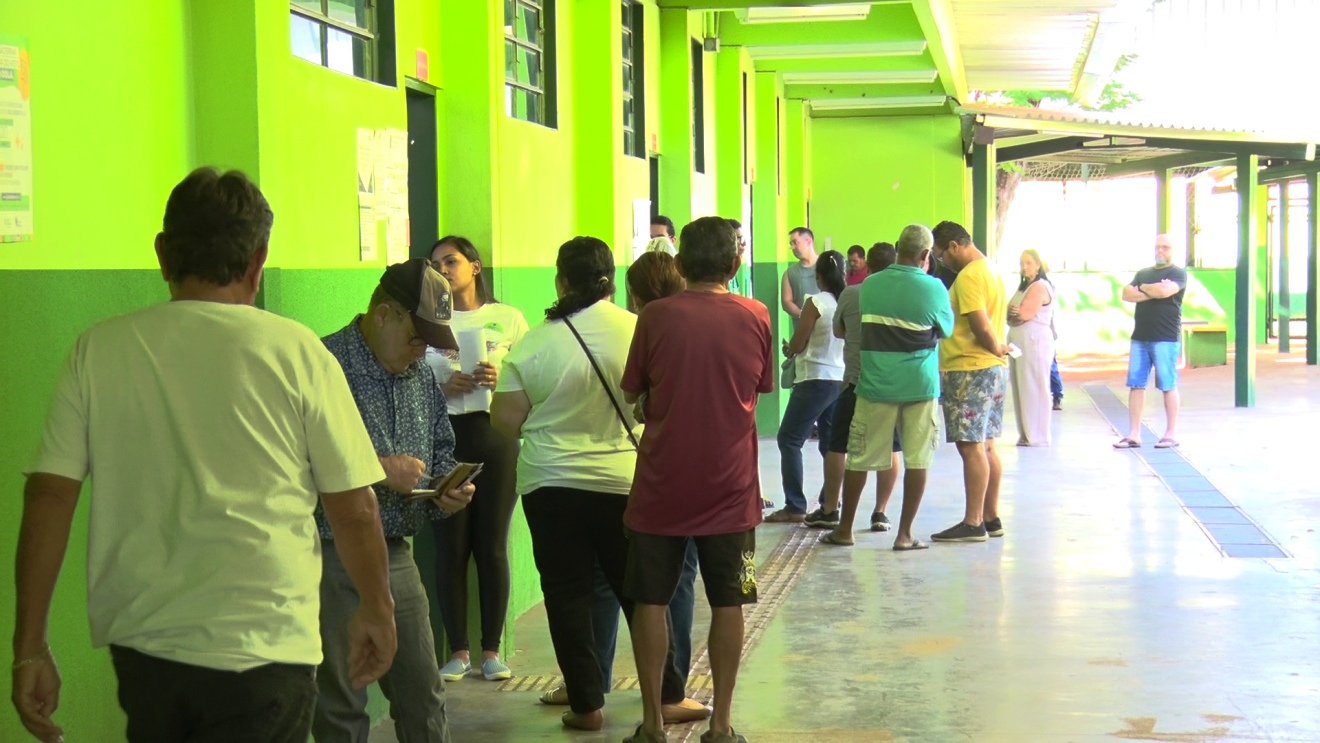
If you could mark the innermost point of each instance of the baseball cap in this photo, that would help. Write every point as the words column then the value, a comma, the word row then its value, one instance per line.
column 421, row 289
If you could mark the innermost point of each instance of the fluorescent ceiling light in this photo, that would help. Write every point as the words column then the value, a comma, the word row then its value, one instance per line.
column 895, row 101
column 793, row 14
column 859, row 77
column 838, row 51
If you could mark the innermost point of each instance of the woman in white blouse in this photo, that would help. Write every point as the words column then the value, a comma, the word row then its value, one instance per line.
column 486, row 330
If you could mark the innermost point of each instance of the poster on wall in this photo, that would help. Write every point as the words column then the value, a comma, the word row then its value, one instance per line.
column 366, row 185
column 392, row 196
column 15, row 141
column 641, row 224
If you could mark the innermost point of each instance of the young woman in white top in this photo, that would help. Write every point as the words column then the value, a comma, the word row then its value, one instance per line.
column 817, row 380
column 480, row 531
column 576, row 466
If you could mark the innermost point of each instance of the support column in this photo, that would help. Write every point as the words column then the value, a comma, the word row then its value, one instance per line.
column 1312, row 266
column 1191, row 224
column 1284, row 320
column 675, row 116
column 1163, row 201
column 1244, row 365
column 770, row 227
column 984, row 194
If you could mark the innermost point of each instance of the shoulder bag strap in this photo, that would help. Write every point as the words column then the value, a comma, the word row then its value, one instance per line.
column 601, row 376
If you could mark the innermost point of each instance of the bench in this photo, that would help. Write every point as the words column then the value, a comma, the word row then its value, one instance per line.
column 1205, row 345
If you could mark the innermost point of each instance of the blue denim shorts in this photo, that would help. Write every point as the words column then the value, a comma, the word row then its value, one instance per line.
column 1163, row 355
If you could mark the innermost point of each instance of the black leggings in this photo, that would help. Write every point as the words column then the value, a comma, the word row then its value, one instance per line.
column 480, row 532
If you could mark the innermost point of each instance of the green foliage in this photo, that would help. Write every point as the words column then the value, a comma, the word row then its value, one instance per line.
column 1115, row 96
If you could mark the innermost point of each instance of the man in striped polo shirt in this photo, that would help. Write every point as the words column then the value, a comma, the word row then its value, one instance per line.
column 905, row 312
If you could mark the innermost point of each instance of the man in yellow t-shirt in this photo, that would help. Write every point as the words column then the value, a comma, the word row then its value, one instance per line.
column 973, row 380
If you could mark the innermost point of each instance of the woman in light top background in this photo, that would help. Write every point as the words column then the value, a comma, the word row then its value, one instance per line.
column 576, row 467
column 817, row 380
column 1031, row 328
column 487, row 330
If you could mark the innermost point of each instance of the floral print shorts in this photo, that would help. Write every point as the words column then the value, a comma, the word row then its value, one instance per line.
column 973, row 403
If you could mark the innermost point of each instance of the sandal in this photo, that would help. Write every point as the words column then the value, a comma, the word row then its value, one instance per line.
column 1127, row 443
column 688, row 710
column 831, row 538
column 641, row 736
column 914, row 545
column 556, row 697
column 1166, row 443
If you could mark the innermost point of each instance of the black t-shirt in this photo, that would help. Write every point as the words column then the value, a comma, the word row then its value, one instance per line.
column 1160, row 319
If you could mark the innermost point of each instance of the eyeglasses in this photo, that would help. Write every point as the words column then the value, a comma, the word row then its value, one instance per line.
column 415, row 341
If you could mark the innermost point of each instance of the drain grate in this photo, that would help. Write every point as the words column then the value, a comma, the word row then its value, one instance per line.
column 1230, row 529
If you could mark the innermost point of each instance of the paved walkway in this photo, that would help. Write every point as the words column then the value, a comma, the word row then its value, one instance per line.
column 1107, row 612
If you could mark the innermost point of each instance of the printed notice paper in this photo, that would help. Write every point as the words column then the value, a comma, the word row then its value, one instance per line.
column 15, row 141
column 366, row 185
column 392, row 198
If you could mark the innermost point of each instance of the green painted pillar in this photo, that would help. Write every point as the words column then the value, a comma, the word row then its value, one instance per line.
column 770, row 254
column 1312, row 266
column 1244, row 369
column 731, row 172
column 984, row 197
column 1163, row 201
column 1285, row 298
column 795, row 161
column 733, row 114
column 676, row 159
column 597, row 124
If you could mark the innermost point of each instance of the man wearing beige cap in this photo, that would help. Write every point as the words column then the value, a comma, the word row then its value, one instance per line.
column 383, row 356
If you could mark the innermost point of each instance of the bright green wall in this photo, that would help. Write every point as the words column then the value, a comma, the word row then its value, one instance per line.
column 112, row 127
column 873, row 176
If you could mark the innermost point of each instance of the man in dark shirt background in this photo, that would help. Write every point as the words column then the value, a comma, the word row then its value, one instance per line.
column 1157, row 293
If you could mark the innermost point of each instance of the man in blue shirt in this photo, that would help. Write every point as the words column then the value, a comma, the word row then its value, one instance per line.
column 382, row 353
column 905, row 312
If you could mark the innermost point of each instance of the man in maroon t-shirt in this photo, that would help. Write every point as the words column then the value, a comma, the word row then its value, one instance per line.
column 702, row 357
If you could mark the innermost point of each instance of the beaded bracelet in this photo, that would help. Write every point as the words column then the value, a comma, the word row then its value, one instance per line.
column 45, row 653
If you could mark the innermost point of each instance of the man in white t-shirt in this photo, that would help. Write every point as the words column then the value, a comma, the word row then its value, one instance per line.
column 208, row 428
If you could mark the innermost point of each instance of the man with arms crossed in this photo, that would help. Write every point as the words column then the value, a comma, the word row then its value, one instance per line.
column 974, row 380
column 702, row 357
column 1156, row 341
column 383, row 355
column 208, row 427
column 800, row 278
column 904, row 312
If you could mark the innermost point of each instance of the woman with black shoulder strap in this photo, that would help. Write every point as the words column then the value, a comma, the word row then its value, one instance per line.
column 560, row 393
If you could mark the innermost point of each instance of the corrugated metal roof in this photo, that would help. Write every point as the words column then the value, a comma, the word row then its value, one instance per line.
column 1117, row 123
column 1022, row 44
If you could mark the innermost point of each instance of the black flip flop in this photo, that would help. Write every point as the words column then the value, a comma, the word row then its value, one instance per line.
column 1127, row 443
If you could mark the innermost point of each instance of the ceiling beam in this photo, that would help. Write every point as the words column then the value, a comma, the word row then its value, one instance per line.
column 1038, row 149
column 879, row 103
column 740, row 4
column 1166, row 162
column 1264, row 149
column 894, row 48
column 859, row 77
column 877, row 91
column 936, row 20
column 1288, row 173
column 887, row 22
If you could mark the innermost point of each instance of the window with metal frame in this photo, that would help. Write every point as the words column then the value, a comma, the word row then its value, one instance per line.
column 529, row 61
column 634, row 80
column 345, row 36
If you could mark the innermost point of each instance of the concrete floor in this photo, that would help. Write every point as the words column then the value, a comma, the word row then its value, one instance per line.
column 1106, row 613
